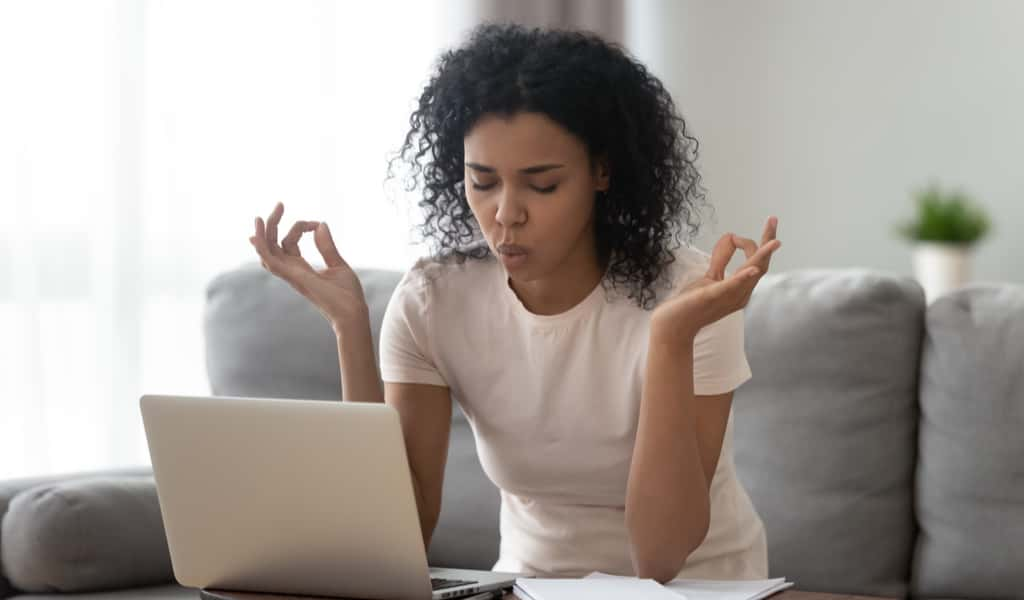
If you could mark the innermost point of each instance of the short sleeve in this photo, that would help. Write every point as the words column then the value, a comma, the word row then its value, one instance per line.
column 719, row 360
column 405, row 343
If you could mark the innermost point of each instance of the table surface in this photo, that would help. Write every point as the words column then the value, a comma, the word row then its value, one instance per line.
column 789, row 594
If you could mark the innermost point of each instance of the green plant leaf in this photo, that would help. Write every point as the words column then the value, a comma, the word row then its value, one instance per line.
column 945, row 216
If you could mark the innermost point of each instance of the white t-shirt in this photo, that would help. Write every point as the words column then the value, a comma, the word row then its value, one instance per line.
column 553, row 403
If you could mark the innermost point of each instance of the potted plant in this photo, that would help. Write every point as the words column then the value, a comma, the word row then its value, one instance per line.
column 944, row 231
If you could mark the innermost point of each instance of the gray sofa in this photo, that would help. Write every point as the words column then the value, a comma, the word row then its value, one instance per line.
column 882, row 442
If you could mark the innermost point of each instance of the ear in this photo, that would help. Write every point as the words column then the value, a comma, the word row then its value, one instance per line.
column 602, row 174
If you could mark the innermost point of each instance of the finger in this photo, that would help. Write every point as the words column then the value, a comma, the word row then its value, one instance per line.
column 721, row 254
column 747, row 244
column 260, row 244
column 755, row 279
column 272, row 221
column 290, row 243
column 325, row 244
column 731, row 293
column 762, row 258
column 290, row 272
column 771, row 228
column 261, row 233
column 259, row 240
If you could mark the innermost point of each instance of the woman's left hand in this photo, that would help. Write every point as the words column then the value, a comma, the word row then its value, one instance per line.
column 714, row 296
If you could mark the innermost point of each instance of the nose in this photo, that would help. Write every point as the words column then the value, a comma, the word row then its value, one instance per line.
column 511, row 210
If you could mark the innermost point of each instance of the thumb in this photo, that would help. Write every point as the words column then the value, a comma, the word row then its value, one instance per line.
column 738, row 284
column 748, row 272
column 325, row 244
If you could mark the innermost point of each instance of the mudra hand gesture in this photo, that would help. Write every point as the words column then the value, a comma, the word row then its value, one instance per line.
column 714, row 295
column 335, row 290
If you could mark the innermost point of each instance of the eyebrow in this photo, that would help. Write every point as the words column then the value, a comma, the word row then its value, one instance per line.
column 528, row 170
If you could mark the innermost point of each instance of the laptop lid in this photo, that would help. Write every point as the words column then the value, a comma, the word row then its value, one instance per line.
column 303, row 497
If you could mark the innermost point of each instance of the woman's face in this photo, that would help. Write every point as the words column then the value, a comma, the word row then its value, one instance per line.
column 529, row 183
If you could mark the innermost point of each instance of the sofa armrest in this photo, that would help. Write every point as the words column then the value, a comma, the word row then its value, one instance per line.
column 12, row 487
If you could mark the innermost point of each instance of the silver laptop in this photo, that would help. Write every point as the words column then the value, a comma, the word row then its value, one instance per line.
column 301, row 497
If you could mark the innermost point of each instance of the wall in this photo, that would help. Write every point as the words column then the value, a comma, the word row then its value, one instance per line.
column 828, row 114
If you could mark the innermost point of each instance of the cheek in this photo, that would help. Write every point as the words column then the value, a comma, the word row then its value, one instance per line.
column 484, row 218
column 475, row 208
column 572, row 209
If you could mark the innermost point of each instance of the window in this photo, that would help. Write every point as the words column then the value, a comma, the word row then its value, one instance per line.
column 139, row 139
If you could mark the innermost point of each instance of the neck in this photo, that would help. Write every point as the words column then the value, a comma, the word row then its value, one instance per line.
column 564, row 287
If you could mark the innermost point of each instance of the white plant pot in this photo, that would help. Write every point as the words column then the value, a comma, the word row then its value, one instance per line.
column 940, row 267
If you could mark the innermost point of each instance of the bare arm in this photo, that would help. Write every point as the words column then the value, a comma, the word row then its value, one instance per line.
column 424, row 410
column 679, row 436
column 359, row 379
column 678, row 443
column 667, row 504
column 426, row 415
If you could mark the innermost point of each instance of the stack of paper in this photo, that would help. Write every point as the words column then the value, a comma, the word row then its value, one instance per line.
column 615, row 588
column 707, row 589
column 601, row 586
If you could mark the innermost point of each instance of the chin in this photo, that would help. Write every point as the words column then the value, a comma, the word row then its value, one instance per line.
column 527, row 274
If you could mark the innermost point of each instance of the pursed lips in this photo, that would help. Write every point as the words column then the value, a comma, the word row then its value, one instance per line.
column 511, row 249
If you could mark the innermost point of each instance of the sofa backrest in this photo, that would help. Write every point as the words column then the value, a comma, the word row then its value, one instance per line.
column 265, row 339
column 826, row 430
column 970, row 474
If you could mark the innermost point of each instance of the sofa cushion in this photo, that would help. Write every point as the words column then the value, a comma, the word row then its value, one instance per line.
column 970, row 476
column 86, row 534
column 466, row 535
column 12, row 487
column 265, row 339
column 825, row 431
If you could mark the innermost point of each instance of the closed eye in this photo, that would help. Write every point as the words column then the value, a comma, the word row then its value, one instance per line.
column 540, row 190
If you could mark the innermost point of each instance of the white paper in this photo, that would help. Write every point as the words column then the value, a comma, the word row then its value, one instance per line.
column 706, row 589
column 727, row 590
column 614, row 588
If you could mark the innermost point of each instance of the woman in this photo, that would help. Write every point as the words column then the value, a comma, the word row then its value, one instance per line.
column 594, row 356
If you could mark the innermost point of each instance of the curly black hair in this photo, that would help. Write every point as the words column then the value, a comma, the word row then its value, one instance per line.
column 599, row 93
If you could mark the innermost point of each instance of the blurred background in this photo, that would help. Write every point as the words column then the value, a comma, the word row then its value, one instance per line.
column 139, row 138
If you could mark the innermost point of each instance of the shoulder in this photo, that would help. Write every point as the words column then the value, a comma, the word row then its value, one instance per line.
column 430, row 276
column 690, row 263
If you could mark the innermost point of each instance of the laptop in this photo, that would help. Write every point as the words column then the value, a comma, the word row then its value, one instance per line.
column 301, row 497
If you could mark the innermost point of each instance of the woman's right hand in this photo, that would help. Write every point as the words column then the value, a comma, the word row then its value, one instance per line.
column 335, row 290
